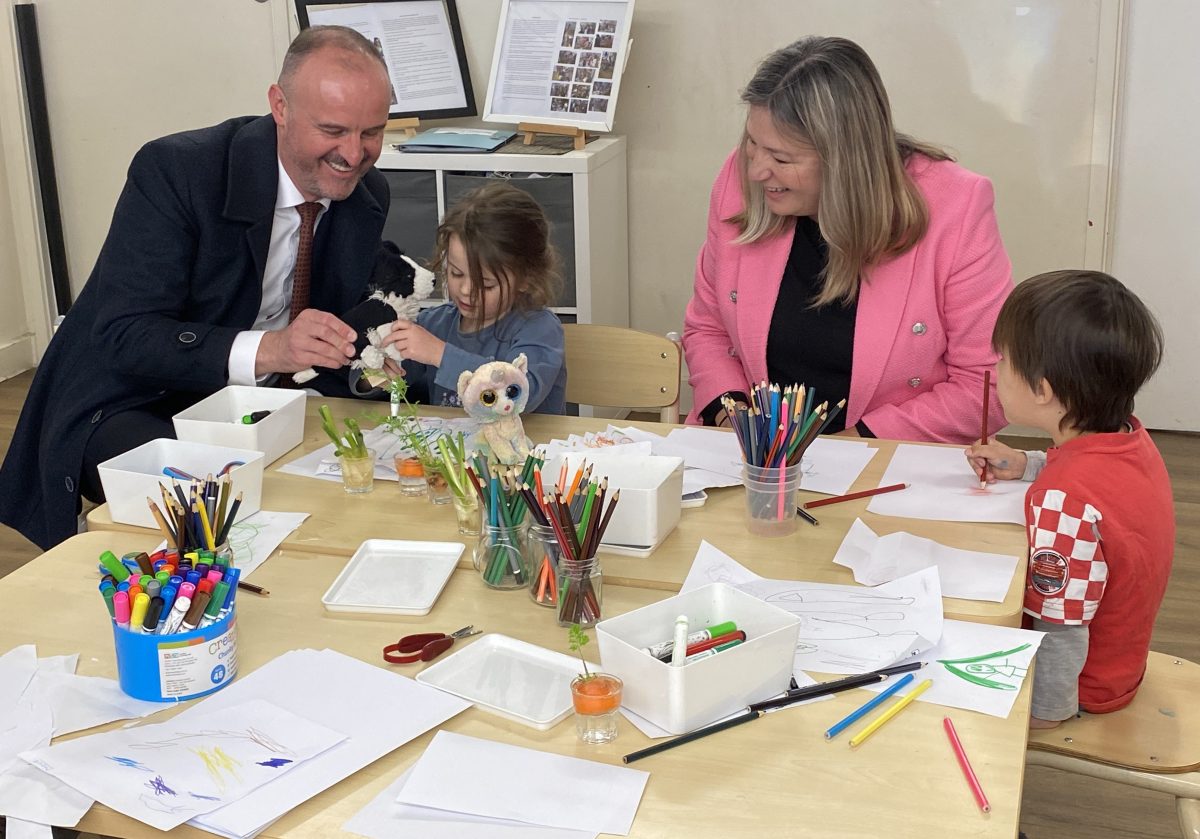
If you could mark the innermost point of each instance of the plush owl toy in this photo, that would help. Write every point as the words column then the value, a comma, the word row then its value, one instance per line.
column 397, row 286
column 495, row 394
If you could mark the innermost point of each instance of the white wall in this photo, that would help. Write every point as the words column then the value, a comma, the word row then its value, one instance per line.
column 1157, row 207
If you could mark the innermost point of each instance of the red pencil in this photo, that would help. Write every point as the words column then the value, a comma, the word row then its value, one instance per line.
column 965, row 764
column 983, row 435
column 866, row 493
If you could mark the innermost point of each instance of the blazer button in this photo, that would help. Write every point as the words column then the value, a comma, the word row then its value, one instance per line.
column 187, row 337
column 918, row 328
column 732, row 352
column 915, row 381
column 733, row 296
column 96, row 417
column 69, row 484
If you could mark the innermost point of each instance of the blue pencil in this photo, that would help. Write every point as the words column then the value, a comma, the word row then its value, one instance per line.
column 858, row 714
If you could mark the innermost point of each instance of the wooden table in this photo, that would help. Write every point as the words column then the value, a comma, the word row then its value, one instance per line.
column 339, row 522
column 774, row 777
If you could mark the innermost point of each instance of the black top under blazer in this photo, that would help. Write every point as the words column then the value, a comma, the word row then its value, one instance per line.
column 179, row 276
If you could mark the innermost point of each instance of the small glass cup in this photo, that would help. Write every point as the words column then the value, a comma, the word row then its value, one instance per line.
column 358, row 473
column 411, row 476
column 580, row 591
column 499, row 557
column 439, row 487
column 597, row 699
column 466, row 510
column 542, row 555
column 771, row 498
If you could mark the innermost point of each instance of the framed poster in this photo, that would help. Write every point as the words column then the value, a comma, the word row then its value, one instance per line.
column 421, row 44
column 559, row 62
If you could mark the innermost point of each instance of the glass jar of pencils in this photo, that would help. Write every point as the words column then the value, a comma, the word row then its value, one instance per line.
column 542, row 555
column 580, row 591
column 500, row 555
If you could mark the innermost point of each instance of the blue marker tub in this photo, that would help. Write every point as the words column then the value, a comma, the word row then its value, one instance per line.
column 172, row 668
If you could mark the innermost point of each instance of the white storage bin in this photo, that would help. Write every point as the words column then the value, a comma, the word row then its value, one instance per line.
column 651, row 497
column 129, row 479
column 680, row 699
column 217, row 420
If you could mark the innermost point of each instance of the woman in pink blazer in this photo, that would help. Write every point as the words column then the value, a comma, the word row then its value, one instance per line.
column 842, row 252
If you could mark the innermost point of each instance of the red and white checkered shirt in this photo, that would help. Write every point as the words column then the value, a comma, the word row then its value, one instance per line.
column 1067, row 571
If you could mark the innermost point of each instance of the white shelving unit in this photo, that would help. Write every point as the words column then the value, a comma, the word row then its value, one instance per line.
column 594, row 205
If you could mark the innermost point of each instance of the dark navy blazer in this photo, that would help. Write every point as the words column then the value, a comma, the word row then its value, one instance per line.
column 178, row 277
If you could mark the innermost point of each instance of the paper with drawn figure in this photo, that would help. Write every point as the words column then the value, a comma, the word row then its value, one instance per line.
column 942, row 487
column 167, row 773
column 843, row 629
column 853, row 629
column 971, row 575
column 978, row 666
column 254, row 538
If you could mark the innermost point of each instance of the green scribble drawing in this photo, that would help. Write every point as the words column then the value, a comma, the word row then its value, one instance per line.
column 241, row 540
column 216, row 761
column 989, row 670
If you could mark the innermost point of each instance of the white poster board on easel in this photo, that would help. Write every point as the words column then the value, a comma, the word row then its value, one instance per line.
column 559, row 62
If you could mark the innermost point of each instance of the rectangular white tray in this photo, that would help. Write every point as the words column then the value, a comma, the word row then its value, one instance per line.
column 393, row 577
column 515, row 680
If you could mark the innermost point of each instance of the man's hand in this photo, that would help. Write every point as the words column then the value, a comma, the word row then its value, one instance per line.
column 995, row 461
column 313, row 339
column 416, row 342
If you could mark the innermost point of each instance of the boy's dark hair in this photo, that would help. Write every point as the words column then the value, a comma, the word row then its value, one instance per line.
column 1087, row 335
column 505, row 233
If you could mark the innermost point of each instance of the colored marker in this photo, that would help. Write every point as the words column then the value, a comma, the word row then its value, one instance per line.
column 121, row 609
column 231, row 577
column 123, row 585
column 178, row 610
column 153, row 612
column 193, row 577
column 255, row 416
column 143, row 562
column 720, row 640
column 857, row 714
column 134, row 590
column 679, row 648
column 213, row 612
column 711, row 651
column 162, row 576
column 138, row 614
column 154, row 588
column 205, row 585
column 187, row 590
column 174, row 580
column 662, row 650
column 114, row 566
column 168, row 596
column 109, row 593
column 195, row 612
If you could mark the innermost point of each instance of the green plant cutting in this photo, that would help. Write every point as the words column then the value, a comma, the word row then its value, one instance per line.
column 350, row 443
column 579, row 640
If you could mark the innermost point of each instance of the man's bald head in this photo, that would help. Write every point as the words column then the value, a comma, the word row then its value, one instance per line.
column 316, row 38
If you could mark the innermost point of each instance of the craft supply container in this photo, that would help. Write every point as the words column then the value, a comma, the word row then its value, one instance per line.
column 580, row 591
column 500, row 556
column 217, row 420
column 172, row 668
column 542, row 556
column 771, row 498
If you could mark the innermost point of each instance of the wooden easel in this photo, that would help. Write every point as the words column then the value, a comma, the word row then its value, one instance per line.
column 408, row 125
column 529, row 129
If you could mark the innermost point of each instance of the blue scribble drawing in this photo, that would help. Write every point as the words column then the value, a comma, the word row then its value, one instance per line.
column 204, row 797
column 130, row 763
column 159, row 786
column 274, row 763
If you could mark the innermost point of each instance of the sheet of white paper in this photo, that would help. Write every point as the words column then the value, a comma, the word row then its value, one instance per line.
column 713, row 565
column 378, row 710
column 852, row 629
column 17, row 667
column 164, row 774
column 256, row 537
column 832, row 466
column 459, row 773
column 972, row 575
column 323, row 463
column 19, row 829
column 27, row 793
column 696, row 480
column 81, row 702
column 58, row 663
column 385, row 818
column 942, row 487
column 978, row 667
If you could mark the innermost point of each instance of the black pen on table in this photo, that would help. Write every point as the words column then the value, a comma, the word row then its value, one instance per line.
column 807, row 516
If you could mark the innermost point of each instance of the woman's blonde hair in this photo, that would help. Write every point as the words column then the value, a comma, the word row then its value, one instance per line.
column 827, row 92
column 503, row 231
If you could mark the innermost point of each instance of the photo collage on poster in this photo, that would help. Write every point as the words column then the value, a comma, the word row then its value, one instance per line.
column 582, row 78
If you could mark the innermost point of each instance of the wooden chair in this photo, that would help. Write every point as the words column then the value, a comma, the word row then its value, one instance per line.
column 1152, row 743
column 616, row 367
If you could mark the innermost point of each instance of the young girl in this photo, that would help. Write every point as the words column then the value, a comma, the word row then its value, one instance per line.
column 493, row 251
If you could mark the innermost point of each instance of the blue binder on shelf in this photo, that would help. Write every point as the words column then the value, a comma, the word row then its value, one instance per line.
column 456, row 140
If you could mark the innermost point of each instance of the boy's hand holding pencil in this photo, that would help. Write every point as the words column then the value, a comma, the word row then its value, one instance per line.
column 995, row 461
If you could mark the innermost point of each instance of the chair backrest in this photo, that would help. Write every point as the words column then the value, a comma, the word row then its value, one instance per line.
column 616, row 367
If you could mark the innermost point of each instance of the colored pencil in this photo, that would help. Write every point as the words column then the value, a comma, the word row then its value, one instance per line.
column 692, row 735
column 251, row 587
column 799, row 694
column 866, row 708
column 965, row 764
column 808, row 517
column 879, row 722
column 866, row 493
column 983, row 434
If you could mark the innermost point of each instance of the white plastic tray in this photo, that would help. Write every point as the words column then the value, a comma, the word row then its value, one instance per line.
column 392, row 577
column 515, row 680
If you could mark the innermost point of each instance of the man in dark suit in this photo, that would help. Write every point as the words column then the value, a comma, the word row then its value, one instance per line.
column 229, row 248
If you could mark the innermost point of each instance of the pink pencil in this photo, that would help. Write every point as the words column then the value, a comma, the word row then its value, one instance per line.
column 965, row 764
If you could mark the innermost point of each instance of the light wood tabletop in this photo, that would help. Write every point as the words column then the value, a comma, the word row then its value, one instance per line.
column 774, row 777
column 339, row 522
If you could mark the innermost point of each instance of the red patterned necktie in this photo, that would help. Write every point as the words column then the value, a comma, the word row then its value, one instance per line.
column 302, row 273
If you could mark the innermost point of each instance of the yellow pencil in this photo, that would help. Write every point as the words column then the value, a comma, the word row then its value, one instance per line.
column 861, row 737
column 208, row 534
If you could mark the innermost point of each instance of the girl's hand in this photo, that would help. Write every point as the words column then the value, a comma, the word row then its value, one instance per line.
column 416, row 342
column 993, row 461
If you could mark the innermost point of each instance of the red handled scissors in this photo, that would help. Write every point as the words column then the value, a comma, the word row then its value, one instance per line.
column 425, row 647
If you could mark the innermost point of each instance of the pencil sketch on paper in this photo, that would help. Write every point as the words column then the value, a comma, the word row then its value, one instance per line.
column 989, row 670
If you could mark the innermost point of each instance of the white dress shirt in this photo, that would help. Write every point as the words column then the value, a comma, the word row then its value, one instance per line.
column 277, row 281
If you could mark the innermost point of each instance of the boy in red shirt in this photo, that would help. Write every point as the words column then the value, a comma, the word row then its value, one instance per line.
column 1075, row 347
